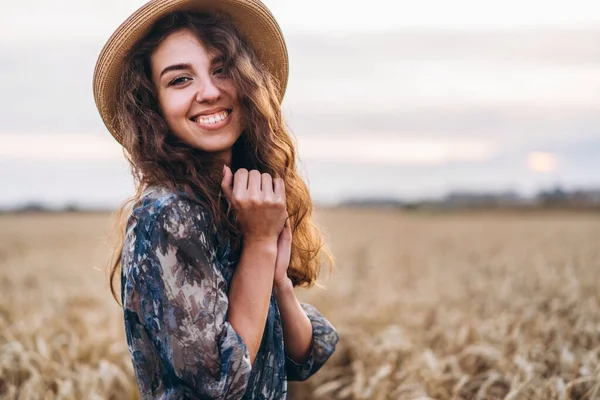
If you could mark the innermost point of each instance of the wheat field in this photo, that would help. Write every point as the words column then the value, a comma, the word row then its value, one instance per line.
column 428, row 306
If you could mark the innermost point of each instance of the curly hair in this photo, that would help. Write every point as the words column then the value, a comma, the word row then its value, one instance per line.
column 158, row 158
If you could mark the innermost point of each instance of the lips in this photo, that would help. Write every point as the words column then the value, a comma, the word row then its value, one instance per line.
column 212, row 116
column 212, row 119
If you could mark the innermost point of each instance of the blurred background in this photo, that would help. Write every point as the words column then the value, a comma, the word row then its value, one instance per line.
column 389, row 101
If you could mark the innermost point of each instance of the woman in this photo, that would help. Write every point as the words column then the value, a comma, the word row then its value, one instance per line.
column 220, row 230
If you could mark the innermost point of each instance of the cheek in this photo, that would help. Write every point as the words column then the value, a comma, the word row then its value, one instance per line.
column 228, row 87
column 174, row 106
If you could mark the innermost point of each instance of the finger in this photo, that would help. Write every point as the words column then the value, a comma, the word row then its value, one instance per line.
column 240, row 183
column 288, row 225
column 254, row 182
column 227, row 182
column 267, row 185
column 279, row 188
column 286, row 233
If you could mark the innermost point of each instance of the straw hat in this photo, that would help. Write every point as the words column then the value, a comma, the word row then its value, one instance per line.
column 252, row 18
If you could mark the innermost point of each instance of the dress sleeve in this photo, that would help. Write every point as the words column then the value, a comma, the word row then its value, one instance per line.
column 184, row 302
column 324, row 340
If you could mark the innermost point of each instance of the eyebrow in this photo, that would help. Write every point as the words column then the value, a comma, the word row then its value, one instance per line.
column 175, row 67
column 184, row 66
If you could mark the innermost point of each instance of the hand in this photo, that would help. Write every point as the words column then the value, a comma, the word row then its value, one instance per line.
column 259, row 202
column 284, row 252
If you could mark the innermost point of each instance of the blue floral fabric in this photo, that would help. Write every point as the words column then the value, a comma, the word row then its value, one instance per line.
column 176, row 271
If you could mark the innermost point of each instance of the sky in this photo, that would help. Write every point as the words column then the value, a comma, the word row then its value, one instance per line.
column 393, row 99
column 97, row 18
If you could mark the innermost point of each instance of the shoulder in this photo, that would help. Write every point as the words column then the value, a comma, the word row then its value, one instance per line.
column 170, row 228
column 158, row 199
column 174, row 212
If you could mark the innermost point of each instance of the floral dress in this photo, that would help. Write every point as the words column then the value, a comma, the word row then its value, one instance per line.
column 176, row 271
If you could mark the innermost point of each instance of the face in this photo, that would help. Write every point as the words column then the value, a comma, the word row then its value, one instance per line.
column 197, row 99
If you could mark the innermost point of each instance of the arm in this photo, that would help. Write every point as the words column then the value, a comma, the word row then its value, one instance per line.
column 297, row 328
column 250, row 292
column 260, row 205
column 184, row 302
column 309, row 338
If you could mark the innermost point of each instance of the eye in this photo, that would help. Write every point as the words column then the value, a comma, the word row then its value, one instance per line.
column 220, row 70
column 179, row 80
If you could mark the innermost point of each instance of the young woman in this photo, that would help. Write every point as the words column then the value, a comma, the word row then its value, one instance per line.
column 220, row 229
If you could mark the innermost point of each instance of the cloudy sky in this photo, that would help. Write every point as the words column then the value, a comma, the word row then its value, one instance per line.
column 397, row 99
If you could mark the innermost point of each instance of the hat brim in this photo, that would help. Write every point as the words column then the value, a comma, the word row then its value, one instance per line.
column 252, row 18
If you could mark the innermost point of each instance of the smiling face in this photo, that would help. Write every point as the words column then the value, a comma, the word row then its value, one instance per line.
column 197, row 98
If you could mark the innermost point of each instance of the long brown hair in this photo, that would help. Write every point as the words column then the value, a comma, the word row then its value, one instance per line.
column 157, row 158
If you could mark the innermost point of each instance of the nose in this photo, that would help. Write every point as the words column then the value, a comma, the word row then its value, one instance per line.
column 208, row 91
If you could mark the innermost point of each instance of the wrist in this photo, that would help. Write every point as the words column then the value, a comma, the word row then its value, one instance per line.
column 261, row 242
column 282, row 287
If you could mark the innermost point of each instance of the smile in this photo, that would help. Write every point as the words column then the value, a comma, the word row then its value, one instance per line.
column 213, row 121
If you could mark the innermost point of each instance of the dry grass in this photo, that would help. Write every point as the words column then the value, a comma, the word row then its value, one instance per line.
column 479, row 306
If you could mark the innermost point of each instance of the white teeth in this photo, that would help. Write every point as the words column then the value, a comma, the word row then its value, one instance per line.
column 212, row 119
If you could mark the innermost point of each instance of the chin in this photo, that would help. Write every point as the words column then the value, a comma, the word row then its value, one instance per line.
column 214, row 146
column 210, row 142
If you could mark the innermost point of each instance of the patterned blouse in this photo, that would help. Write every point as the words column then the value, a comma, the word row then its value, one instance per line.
column 175, row 279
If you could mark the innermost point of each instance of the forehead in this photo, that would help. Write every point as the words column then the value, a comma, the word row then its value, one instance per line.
column 181, row 47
